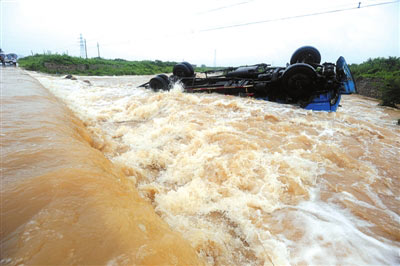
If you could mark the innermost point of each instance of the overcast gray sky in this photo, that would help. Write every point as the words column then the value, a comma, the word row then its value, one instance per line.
column 178, row 30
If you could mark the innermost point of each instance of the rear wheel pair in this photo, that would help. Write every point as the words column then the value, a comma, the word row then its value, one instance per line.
column 299, row 79
column 183, row 70
column 159, row 82
column 162, row 82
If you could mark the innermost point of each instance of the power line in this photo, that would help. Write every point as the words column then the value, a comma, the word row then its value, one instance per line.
column 299, row 16
column 224, row 7
column 336, row 10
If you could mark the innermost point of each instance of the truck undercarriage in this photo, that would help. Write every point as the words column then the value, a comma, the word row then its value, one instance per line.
column 304, row 81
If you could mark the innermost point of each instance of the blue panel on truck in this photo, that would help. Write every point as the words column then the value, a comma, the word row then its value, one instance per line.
column 323, row 103
column 344, row 73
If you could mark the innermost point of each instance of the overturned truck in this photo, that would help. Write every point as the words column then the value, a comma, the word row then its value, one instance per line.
column 305, row 81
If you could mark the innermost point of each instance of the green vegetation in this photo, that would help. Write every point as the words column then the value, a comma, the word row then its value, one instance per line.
column 377, row 68
column 391, row 91
column 386, row 70
column 64, row 64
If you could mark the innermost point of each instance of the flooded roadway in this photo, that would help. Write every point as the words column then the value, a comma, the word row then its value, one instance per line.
column 62, row 201
column 238, row 181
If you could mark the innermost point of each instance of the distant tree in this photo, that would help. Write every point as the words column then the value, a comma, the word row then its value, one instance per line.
column 391, row 91
column 385, row 69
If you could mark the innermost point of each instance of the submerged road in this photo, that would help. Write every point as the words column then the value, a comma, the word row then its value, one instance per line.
column 62, row 201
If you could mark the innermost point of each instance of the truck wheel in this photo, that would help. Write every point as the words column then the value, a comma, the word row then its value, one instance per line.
column 298, row 80
column 181, row 70
column 158, row 83
column 190, row 67
column 164, row 77
column 306, row 54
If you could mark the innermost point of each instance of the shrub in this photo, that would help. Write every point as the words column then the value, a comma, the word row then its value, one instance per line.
column 386, row 70
column 391, row 91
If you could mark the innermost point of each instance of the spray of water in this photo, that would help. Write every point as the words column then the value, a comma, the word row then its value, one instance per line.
column 248, row 181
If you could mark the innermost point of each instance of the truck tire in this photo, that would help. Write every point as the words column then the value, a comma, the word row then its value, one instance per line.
column 298, row 80
column 182, row 70
column 306, row 54
column 164, row 77
column 190, row 67
column 158, row 83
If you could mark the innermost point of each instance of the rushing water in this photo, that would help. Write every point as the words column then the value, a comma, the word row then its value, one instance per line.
column 62, row 201
column 244, row 181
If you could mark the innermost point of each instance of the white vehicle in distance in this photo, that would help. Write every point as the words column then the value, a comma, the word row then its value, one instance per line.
column 11, row 59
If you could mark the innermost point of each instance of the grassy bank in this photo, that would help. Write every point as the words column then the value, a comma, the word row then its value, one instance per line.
column 64, row 64
column 383, row 74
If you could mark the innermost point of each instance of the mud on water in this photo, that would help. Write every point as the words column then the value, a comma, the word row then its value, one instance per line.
column 229, row 180
column 62, row 201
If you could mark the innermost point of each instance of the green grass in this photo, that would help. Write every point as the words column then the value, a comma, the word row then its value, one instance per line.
column 64, row 64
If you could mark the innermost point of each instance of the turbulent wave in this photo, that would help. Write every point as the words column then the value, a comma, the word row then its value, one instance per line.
column 62, row 202
column 252, row 182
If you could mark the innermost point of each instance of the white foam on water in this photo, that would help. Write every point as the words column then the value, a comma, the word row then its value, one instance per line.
column 332, row 236
column 247, row 181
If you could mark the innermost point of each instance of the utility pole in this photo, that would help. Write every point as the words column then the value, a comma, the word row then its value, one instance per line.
column 85, row 49
column 82, row 45
column 215, row 57
column 98, row 50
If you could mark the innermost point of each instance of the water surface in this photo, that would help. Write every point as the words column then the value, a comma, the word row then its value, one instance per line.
column 62, row 201
column 243, row 181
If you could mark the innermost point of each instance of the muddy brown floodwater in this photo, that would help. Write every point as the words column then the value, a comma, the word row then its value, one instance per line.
column 62, row 201
column 108, row 173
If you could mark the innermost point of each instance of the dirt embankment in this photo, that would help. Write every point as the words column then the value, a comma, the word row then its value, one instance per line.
column 369, row 87
column 75, row 67
column 62, row 67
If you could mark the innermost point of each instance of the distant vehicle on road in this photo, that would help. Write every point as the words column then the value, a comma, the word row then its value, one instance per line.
column 11, row 59
column 304, row 81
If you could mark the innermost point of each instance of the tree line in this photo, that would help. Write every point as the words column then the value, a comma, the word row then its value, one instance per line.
column 385, row 69
column 64, row 64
